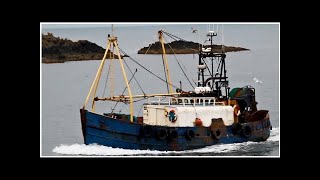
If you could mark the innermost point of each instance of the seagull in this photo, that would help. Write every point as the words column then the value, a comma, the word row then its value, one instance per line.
column 256, row 80
column 193, row 30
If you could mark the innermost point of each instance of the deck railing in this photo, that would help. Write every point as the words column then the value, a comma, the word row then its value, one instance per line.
column 185, row 101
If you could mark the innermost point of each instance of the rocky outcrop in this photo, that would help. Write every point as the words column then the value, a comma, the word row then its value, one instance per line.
column 59, row 50
column 185, row 47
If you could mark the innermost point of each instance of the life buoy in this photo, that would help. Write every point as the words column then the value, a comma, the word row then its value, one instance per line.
column 236, row 110
column 172, row 116
column 216, row 133
column 162, row 133
column 246, row 131
column 189, row 134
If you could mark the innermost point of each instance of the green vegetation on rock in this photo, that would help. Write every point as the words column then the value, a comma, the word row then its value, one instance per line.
column 59, row 50
column 185, row 47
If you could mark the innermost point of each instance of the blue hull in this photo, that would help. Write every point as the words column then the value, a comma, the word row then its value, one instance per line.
column 118, row 133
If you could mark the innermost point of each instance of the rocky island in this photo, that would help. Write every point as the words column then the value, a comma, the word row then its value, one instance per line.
column 59, row 50
column 185, row 47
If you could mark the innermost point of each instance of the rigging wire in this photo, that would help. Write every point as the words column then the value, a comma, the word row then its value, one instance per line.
column 189, row 73
column 182, row 63
column 195, row 110
column 222, row 39
column 179, row 64
column 147, row 49
column 124, row 91
column 204, row 60
column 134, row 77
column 173, row 35
column 217, row 28
column 105, row 85
column 168, row 34
column 146, row 68
column 112, row 80
column 219, row 59
column 150, row 45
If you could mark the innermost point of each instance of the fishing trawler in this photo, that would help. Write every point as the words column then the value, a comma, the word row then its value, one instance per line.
column 178, row 120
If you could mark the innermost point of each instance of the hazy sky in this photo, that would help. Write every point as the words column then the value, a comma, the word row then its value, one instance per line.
column 74, row 25
column 89, row 25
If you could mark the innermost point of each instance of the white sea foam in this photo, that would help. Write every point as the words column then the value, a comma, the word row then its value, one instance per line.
column 99, row 150
column 95, row 149
column 275, row 135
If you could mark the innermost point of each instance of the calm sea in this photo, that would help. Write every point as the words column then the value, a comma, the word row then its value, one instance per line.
column 65, row 86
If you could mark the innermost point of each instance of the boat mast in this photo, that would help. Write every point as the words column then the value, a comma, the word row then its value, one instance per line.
column 97, row 77
column 111, row 78
column 218, row 77
column 165, row 62
column 126, row 79
column 112, row 41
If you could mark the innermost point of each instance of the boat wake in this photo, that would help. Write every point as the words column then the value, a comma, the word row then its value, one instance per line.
column 267, row 148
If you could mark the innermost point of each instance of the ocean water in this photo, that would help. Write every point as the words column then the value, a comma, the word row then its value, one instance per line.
column 64, row 87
